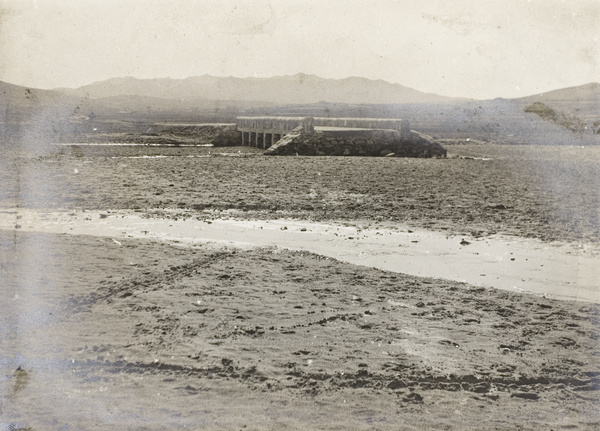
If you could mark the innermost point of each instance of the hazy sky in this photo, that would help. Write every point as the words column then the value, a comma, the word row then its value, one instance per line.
column 469, row 48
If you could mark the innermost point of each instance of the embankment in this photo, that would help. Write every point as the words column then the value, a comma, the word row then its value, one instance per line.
column 356, row 142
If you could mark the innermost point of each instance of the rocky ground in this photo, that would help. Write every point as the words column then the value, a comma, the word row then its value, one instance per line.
column 132, row 334
column 547, row 192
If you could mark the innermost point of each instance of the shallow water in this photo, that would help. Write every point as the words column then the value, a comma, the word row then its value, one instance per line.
column 525, row 265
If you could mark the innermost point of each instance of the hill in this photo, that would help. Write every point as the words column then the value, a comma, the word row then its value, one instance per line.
column 31, row 116
column 587, row 93
column 582, row 101
column 24, row 104
column 16, row 95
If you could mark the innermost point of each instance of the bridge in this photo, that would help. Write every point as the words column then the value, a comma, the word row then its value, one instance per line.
column 263, row 132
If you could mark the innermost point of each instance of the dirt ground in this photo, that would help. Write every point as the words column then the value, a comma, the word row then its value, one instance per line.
column 98, row 333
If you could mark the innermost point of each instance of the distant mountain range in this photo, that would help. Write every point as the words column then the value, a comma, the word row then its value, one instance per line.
column 299, row 88
column 278, row 90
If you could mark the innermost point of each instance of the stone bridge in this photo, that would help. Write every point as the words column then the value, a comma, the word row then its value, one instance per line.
column 263, row 132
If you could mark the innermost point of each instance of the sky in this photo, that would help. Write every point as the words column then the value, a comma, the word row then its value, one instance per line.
column 478, row 49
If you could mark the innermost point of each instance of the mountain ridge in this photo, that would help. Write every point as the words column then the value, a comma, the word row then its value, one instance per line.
column 163, row 89
column 285, row 89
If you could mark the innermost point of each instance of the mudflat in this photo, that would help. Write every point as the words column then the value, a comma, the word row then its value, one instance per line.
column 117, row 331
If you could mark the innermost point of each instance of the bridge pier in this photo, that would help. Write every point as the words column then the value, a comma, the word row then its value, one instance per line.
column 259, row 139
column 271, row 139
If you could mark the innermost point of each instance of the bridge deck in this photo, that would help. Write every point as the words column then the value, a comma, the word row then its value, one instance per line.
column 341, row 129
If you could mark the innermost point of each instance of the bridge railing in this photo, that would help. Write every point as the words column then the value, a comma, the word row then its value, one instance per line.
column 364, row 123
column 287, row 124
column 276, row 125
